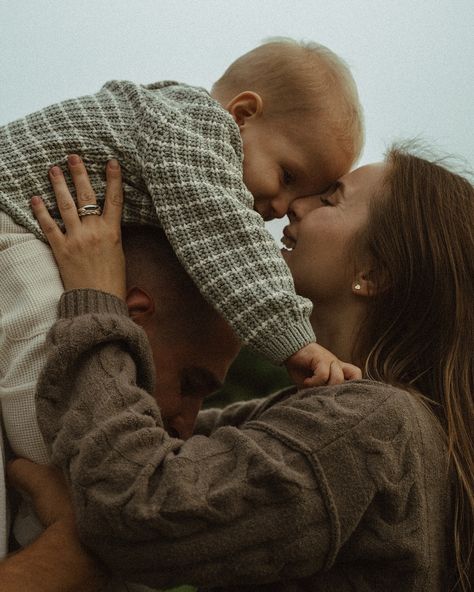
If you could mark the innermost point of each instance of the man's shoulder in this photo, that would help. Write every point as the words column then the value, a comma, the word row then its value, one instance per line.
column 355, row 410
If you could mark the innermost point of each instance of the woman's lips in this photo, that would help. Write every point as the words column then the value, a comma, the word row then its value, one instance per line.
column 287, row 239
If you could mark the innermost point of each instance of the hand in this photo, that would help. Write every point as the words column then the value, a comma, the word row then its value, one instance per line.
column 56, row 561
column 46, row 487
column 313, row 365
column 89, row 254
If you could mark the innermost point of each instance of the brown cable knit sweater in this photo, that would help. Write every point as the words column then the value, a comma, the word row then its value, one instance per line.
column 330, row 489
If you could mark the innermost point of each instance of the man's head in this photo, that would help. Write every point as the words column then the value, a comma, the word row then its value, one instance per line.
column 298, row 111
column 192, row 345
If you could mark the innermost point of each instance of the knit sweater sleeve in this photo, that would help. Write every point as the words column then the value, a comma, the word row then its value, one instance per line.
column 274, row 500
column 236, row 414
column 192, row 165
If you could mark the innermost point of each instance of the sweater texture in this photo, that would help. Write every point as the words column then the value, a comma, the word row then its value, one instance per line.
column 181, row 158
column 334, row 489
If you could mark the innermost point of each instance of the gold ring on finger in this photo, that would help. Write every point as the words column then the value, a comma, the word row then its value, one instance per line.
column 89, row 210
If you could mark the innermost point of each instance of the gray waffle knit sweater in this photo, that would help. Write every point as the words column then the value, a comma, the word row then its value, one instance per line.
column 336, row 489
column 181, row 155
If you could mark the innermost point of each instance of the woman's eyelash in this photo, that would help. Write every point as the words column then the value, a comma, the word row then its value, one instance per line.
column 330, row 191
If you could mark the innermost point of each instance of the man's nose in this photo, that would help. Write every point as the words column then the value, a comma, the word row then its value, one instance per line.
column 182, row 424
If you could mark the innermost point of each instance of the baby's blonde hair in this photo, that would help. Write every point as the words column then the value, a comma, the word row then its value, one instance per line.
column 298, row 78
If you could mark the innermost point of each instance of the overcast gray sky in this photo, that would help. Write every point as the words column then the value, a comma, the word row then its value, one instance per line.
column 413, row 60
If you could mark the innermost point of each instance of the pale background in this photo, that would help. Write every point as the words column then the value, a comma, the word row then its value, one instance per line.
column 413, row 60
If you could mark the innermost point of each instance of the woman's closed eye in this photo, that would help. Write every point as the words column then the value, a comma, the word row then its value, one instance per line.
column 327, row 194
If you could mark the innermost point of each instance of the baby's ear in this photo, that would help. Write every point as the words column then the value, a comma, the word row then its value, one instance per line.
column 245, row 106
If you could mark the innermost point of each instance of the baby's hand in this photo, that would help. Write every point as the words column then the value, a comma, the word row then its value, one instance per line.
column 313, row 365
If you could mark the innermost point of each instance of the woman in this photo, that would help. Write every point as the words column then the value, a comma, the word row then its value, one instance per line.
column 362, row 486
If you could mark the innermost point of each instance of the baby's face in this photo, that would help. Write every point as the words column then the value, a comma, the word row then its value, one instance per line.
column 283, row 162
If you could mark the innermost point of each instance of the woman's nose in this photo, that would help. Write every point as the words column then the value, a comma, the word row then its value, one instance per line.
column 301, row 206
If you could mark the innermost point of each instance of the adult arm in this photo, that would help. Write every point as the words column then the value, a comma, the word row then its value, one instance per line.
column 56, row 561
column 236, row 414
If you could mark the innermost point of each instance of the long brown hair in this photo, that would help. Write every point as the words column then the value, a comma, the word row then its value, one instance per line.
column 420, row 329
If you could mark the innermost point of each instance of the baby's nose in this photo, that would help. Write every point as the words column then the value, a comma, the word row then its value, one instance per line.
column 280, row 206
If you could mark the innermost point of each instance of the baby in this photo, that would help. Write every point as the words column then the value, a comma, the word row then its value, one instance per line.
column 283, row 121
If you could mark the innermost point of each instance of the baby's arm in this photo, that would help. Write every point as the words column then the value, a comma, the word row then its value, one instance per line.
column 207, row 213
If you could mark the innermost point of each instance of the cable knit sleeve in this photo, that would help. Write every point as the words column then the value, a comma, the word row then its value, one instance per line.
column 192, row 165
column 236, row 413
column 275, row 499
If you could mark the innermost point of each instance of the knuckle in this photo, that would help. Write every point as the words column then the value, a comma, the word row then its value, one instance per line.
column 114, row 174
column 86, row 196
column 115, row 237
column 65, row 204
column 95, row 239
column 48, row 227
column 116, row 198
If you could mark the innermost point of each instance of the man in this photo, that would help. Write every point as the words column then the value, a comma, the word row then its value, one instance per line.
column 192, row 347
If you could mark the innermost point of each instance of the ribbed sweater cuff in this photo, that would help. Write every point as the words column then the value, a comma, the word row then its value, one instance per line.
column 78, row 302
column 280, row 347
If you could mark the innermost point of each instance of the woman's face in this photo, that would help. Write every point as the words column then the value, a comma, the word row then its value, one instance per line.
column 319, row 232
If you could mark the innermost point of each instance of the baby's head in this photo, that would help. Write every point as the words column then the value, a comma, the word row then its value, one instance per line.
column 300, row 119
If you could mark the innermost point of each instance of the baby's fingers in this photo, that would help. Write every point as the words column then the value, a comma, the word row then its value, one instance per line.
column 47, row 224
column 320, row 375
column 336, row 375
column 351, row 372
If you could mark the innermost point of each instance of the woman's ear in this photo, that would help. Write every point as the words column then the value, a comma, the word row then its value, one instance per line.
column 370, row 283
column 141, row 306
column 364, row 284
column 244, row 106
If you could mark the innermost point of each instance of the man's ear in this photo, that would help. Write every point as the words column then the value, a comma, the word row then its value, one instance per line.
column 141, row 306
column 245, row 105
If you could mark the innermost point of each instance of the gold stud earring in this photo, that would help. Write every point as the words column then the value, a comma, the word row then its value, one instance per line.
column 357, row 286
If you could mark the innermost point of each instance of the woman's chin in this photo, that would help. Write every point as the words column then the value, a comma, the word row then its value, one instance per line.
column 285, row 253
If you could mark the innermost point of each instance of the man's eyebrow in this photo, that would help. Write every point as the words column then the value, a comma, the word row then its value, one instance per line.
column 197, row 379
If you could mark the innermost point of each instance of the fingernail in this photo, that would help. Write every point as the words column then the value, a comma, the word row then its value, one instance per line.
column 55, row 171
column 113, row 164
column 73, row 159
column 35, row 200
